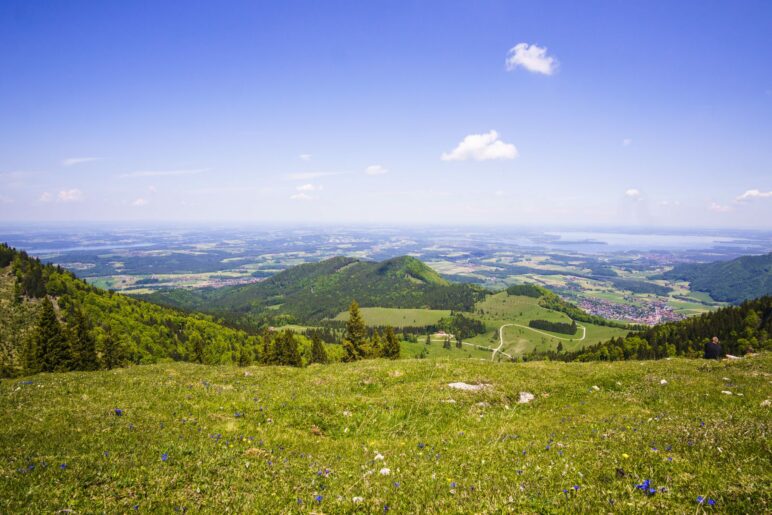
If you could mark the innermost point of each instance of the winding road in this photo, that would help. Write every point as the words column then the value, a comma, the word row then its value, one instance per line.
column 501, row 337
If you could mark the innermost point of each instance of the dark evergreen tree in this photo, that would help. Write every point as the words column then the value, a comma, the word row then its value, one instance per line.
column 391, row 346
column 197, row 347
column 356, row 334
column 318, row 354
column 287, row 352
column 82, row 344
column 53, row 349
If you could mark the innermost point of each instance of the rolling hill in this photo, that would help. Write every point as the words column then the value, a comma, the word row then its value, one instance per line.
column 130, row 330
column 744, row 278
column 311, row 292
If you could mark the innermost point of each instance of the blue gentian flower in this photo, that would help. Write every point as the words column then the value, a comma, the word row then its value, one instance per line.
column 318, row 498
column 711, row 502
column 118, row 412
column 165, row 456
column 700, row 499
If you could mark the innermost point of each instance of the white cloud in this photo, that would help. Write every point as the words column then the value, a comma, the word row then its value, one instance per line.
column 72, row 161
column 46, row 197
column 481, row 147
column 304, row 176
column 139, row 202
column 719, row 208
column 376, row 170
column 309, row 187
column 531, row 57
column 632, row 193
column 627, row 142
column 164, row 173
column 301, row 196
column 71, row 195
column 753, row 194
column 305, row 157
column 152, row 189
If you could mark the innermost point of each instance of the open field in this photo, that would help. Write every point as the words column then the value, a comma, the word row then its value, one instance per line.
column 378, row 434
column 398, row 317
column 501, row 308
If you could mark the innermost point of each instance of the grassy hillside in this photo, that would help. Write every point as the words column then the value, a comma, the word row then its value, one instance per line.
column 135, row 331
column 310, row 292
column 399, row 317
column 740, row 279
column 502, row 308
column 381, row 434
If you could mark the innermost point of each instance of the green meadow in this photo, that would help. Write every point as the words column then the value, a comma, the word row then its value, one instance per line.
column 501, row 309
column 399, row 317
column 378, row 435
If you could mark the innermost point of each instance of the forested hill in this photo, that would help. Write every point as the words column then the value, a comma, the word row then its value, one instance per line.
column 310, row 292
column 746, row 277
column 741, row 329
column 113, row 329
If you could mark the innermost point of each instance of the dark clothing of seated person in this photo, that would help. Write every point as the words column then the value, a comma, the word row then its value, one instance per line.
column 713, row 350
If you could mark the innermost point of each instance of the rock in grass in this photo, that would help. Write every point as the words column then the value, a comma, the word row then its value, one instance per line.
column 469, row 387
column 525, row 398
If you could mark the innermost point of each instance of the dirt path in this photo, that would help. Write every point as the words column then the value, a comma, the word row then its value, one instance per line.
column 501, row 337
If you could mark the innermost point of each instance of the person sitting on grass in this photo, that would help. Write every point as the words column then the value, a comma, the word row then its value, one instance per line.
column 713, row 349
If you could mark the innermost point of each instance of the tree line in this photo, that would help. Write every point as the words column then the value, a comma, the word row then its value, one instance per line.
column 740, row 329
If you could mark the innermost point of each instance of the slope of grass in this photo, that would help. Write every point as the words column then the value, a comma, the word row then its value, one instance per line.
column 500, row 309
column 399, row 317
column 379, row 435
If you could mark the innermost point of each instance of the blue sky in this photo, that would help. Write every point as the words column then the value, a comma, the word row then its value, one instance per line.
column 567, row 113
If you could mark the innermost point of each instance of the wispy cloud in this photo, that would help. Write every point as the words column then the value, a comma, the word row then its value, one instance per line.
column 164, row 173
column 376, row 170
column 633, row 193
column 309, row 187
column 481, row 147
column 46, row 197
column 753, row 195
column 305, row 157
column 301, row 196
column 305, row 176
column 4, row 199
column 627, row 142
column 72, row 161
column 719, row 208
column 139, row 202
column 531, row 57
column 71, row 195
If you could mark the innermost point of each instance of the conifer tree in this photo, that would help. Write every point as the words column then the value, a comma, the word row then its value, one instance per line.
column 53, row 350
column 356, row 333
column 197, row 347
column 391, row 346
column 83, row 346
column 318, row 354
column 287, row 349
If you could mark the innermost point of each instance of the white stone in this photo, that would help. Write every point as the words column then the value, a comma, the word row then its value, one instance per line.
column 525, row 398
column 468, row 387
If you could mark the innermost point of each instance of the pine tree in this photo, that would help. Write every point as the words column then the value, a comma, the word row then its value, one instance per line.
column 287, row 349
column 356, row 333
column 428, row 339
column 197, row 347
column 560, row 346
column 318, row 354
column 112, row 353
column 391, row 346
column 83, row 346
column 375, row 348
column 53, row 349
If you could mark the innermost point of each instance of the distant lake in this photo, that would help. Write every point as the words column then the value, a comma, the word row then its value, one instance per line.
column 637, row 241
